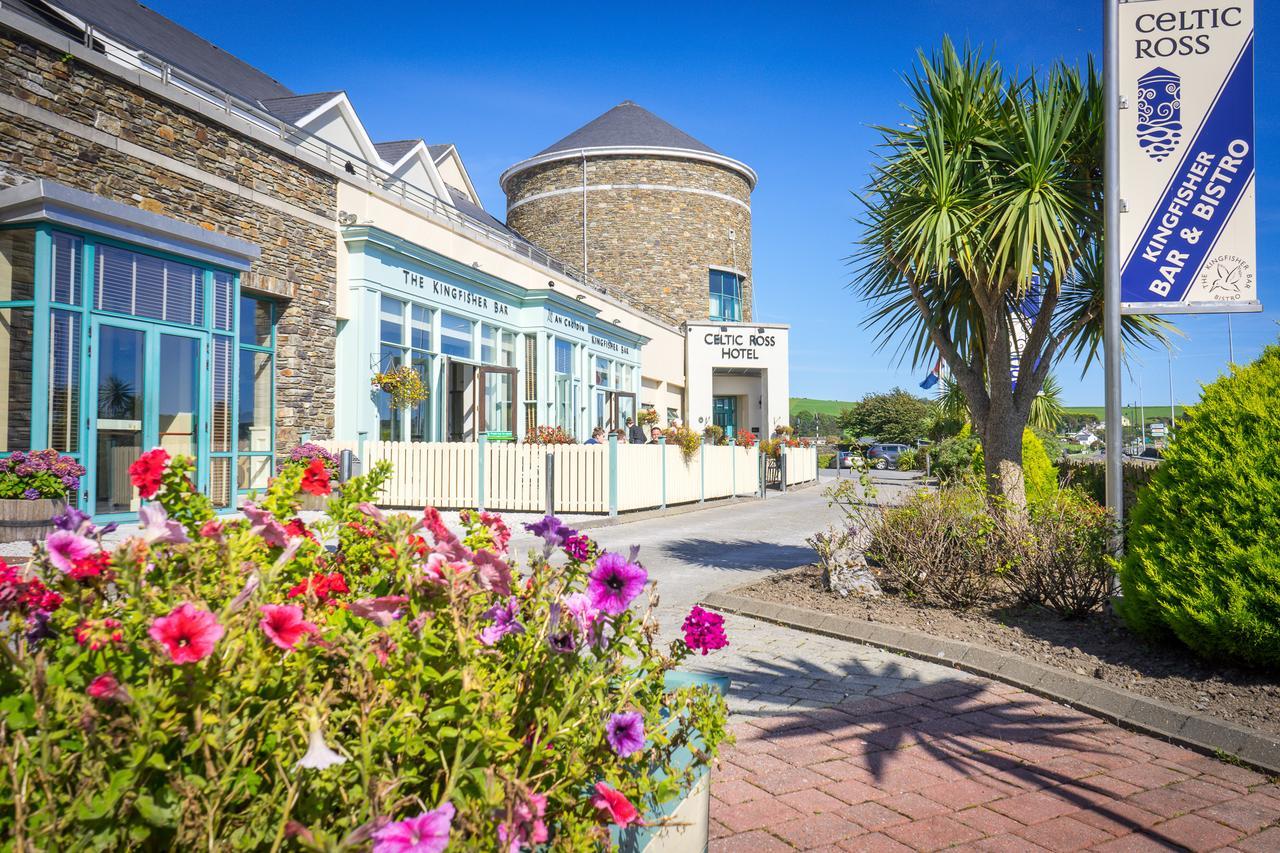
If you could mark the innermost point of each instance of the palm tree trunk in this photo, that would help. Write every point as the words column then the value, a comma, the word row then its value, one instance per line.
column 1002, row 457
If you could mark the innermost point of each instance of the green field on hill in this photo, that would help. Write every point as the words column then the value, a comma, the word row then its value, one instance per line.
column 835, row 407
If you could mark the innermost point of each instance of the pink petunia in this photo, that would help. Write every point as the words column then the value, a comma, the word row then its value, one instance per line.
column 426, row 833
column 65, row 548
column 614, row 806
column 187, row 633
column 107, row 688
column 283, row 624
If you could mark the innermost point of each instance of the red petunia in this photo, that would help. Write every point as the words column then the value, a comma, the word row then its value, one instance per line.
column 614, row 806
column 187, row 633
column 297, row 527
column 107, row 688
column 283, row 624
column 321, row 585
column 147, row 471
column 315, row 480
column 93, row 566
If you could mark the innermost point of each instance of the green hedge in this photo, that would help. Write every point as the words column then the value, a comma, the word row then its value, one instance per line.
column 1090, row 476
column 1202, row 560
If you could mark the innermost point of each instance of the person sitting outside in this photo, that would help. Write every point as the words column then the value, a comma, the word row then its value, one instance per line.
column 597, row 436
column 635, row 432
column 654, row 435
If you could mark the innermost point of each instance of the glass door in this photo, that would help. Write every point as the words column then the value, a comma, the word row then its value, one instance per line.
column 498, row 387
column 724, row 414
column 624, row 407
column 150, row 393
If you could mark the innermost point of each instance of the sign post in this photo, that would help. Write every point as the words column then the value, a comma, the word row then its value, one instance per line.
column 1179, row 173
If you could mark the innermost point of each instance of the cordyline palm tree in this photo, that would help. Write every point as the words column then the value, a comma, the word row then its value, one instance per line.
column 1046, row 410
column 981, row 240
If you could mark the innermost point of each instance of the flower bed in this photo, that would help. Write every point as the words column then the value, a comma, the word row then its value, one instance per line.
column 38, row 474
column 230, row 683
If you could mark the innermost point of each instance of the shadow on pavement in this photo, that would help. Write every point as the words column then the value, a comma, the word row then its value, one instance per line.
column 738, row 554
column 1010, row 741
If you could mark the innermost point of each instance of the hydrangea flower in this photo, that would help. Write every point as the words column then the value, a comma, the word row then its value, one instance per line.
column 614, row 583
column 704, row 630
column 283, row 624
column 187, row 633
column 426, row 833
column 625, row 733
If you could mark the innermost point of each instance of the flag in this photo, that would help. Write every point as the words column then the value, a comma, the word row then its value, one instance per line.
column 932, row 378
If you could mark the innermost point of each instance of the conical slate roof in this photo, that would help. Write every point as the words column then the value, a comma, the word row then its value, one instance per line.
column 627, row 125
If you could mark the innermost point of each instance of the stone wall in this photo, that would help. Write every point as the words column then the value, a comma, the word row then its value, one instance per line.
column 656, row 244
column 299, row 253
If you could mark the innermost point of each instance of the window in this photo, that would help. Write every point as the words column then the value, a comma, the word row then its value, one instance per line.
column 255, row 430
column 564, row 384
column 726, row 296
column 397, row 349
column 141, row 285
column 17, row 337
column 455, row 335
column 601, row 377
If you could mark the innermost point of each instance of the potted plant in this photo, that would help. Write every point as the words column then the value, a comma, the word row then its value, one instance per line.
column 647, row 417
column 303, row 455
column 548, row 435
column 217, row 682
column 35, row 487
column 404, row 384
column 746, row 438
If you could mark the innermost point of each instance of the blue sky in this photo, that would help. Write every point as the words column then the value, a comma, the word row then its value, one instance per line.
column 791, row 90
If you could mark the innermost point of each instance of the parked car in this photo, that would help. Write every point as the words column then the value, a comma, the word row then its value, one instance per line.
column 845, row 459
column 883, row 456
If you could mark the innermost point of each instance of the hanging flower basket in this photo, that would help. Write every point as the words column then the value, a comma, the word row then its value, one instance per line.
column 647, row 417
column 403, row 384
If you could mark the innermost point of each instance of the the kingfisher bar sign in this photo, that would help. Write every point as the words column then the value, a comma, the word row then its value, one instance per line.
column 1187, row 157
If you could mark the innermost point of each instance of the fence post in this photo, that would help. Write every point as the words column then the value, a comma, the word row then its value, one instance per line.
column 702, row 473
column 733, row 469
column 761, row 469
column 662, row 450
column 360, row 436
column 613, row 473
column 550, row 480
column 304, row 437
column 480, row 472
column 782, row 469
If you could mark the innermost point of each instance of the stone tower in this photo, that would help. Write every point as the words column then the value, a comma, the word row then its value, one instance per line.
column 665, row 214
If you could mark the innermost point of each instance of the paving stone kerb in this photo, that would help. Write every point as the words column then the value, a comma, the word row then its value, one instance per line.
column 1179, row 725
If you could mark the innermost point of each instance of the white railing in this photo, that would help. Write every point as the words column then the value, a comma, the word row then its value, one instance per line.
column 572, row 478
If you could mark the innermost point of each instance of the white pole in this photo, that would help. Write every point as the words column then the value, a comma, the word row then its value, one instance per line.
column 1111, row 246
column 1231, row 343
column 1173, row 417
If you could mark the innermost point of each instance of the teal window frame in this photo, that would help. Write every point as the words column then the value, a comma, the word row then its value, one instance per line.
column 241, row 349
column 411, row 423
column 725, row 290
column 43, row 305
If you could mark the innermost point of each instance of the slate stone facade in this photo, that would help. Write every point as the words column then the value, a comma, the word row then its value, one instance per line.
column 647, row 234
column 67, row 121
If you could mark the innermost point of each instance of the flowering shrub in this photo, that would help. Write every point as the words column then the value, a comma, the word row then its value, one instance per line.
column 686, row 439
column 647, row 417
column 713, row 434
column 38, row 474
column 304, row 453
column 220, row 683
column 746, row 438
column 549, row 435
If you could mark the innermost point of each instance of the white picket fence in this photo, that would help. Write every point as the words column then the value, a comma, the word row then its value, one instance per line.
column 584, row 478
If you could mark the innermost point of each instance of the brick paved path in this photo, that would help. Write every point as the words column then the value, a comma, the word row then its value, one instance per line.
column 928, row 763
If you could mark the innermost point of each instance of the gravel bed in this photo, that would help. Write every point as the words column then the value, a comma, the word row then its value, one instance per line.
column 1100, row 646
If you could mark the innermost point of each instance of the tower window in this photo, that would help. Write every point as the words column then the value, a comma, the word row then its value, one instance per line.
column 726, row 296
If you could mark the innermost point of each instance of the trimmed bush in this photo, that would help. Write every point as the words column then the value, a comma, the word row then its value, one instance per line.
column 952, row 458
column 1202, row 561
column 1059, row 559
column 1090, row 476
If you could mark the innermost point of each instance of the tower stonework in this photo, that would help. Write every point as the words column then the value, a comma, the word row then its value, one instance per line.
column 662, row 210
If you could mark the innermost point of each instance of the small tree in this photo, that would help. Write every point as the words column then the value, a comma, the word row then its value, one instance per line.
column 897, row 417
column 982, row 237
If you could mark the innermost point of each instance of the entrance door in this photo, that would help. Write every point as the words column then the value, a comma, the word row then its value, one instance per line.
column 460, row 411
column 724, row 414
column 624, row 406
column 150, row 392
column 499, row 398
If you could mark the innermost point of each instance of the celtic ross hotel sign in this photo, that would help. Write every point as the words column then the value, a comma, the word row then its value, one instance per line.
column 1187, row 157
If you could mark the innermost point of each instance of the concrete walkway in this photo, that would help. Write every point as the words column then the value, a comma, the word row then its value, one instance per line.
column 845, row 747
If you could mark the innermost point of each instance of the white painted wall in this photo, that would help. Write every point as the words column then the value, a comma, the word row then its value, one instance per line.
column 755, row 346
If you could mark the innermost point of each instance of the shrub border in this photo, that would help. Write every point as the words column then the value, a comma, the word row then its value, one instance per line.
column 1200, row 732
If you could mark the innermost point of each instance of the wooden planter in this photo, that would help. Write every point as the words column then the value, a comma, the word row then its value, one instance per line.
column 683, row 826
column 26, row 521
column 313, row 503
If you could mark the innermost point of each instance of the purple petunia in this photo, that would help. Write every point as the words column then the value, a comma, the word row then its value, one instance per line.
column 578, row 547
column 704, row 630
column 551, row 530
column 562, row 642
column 625, row 732
column 505, row 621
column 614, row 583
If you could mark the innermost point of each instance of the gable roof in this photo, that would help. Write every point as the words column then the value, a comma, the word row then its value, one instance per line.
column 393, row 152
column 295, row 107
column 167, row 40
column 438, row 151
column 628, row 125
column 463, row 203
